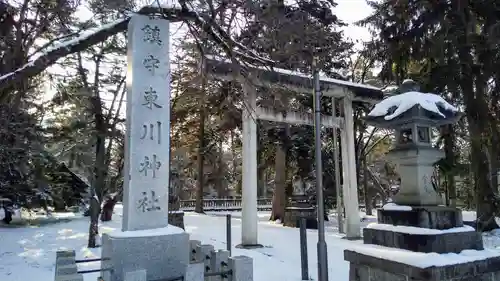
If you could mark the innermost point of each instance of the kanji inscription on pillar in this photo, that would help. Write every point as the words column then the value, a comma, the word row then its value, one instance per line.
column 151, row 34
column 152, row 131
column 149, row 202
column 150, row 166
column 150, row 99
column 151, row 63
column 147, row 145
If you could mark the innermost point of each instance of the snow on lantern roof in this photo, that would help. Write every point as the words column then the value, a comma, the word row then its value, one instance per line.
column 395, row 106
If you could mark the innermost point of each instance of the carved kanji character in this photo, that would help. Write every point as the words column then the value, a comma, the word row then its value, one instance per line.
column 151, row 34
column 151, row 63
column 150, row 98
column 148, row 204
column 151, row 164
column 149, row 130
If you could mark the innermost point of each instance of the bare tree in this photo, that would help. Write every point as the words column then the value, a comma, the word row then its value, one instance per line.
column 201, row 23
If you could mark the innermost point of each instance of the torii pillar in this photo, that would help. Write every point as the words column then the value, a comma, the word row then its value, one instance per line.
column 350, row 181
column 249, row 220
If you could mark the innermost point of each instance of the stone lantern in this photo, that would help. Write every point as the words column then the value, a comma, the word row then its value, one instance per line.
column 414, row 238
column 413, row 115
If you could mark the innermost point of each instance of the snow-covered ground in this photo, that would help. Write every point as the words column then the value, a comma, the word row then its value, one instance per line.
column 29, row 252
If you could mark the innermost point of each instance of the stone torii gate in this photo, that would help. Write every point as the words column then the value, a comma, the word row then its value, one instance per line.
column 303, row 84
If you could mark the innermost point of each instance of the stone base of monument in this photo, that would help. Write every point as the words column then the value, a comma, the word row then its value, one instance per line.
column 453, row 242
column 435, row 229
column 162, row 252
column 374, row 264
column 293, row 216
column 176, row 218
column 421, row 244
column 249, row 246
column 434, row 217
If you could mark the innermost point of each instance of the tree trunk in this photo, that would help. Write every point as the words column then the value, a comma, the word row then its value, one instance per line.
column 99, row 170
column 108, row 207
column 476, row 112
column 261, row 171
column 279, row 196
column 95, row 209
column 220, row 181
column 233, row 153
column 261, row 188
column 368, row 200
column 98, row 184
column 378, row 185
column 449, row 144
column 201, row 160
column 485, row 207
column 494, row 154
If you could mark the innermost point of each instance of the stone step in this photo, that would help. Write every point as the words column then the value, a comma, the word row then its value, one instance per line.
column 452, row 242
column 433, row 217
column 300, row 205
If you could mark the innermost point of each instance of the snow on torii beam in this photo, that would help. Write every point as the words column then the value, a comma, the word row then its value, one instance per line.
column 294, row 81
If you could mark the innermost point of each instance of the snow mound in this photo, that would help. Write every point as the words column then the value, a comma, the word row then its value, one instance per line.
column 424, row 260
column 390, row 89
column 147, row 232
column 403, row 102
column 418, row 230
column 394, row 207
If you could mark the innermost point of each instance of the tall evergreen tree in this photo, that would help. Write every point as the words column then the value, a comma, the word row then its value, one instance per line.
column 446, row 40
column 292, row 34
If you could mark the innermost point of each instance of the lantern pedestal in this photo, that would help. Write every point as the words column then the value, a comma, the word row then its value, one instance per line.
column 414, row 164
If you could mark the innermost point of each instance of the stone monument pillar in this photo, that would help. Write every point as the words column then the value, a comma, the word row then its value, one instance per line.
column 147, row 242
column 416, row 238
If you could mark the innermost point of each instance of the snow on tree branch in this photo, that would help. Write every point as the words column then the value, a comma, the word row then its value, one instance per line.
column 50, row 55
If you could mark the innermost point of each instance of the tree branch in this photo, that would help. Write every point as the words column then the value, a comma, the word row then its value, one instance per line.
column 9, row 81
column 37, row 66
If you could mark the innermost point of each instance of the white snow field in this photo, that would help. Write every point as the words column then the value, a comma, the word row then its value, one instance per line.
column 28, row 253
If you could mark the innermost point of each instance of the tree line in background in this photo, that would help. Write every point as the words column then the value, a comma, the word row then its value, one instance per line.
column 77, row 133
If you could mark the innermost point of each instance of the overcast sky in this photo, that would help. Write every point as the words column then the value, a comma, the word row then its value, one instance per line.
column 351, row 11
